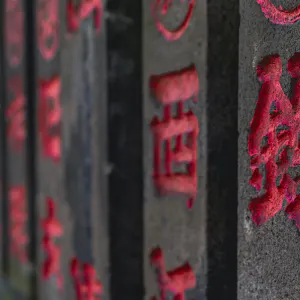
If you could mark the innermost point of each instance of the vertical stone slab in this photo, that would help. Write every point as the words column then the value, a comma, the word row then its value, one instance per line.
column 3, row 189
column 20, row 267
column 53, row 212
column 268, row 256
column 100, row 220
column 169, row 223
column 83, row 102
column 125, row 151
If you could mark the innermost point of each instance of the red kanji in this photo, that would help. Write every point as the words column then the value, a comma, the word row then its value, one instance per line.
column 273, row 141
column 86, row 284
column 52, row 229
column 278, row 15
column 15, row 114
column 86, row 7
column 14, row 28
column 162, row 7
column 176, row 281
column 50, row 117
column 18, row 219
column 169, row 89
column 48, row 28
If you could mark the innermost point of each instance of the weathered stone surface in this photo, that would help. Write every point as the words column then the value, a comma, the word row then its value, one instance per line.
column 168, row 223
column 268, row 256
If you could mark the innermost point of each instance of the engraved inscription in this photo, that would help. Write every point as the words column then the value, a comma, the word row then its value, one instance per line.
column 18, row 218
column 15, row 114
column 75, row 15
column 176, row 281
column 170, row 89
column 87, row 286
column 48, row 27
column 50, row 117
column 14, row 38
column 52, row 229
column 278, row 15
column 273, row 142
column 161, row 8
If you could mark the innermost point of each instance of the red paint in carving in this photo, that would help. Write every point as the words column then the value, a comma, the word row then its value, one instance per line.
column 176, row 281
column 48, row 28
column 169, row 89
column 52, row 229
column 76, row 15
column 50, row 117
column 282, row 148
column 18, row 219
column 86, row 284
column 15, row 115
column 162, row 6
column 14, row 37
column 278, row 15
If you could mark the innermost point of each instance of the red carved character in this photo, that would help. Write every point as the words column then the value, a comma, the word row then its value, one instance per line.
column 15, row 114
column 169, row 89
column 18, row 218
column 278, row 15
column 162, row 7
column 52, row 229
column 86, row 284
column 86, row 7
column 49, row 118
column 176, row 281
column 48, row 27
column 273, row 142
column 14, row 28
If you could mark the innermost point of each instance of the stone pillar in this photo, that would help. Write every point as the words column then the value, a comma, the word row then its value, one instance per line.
column 268, row 260
column 175, row 87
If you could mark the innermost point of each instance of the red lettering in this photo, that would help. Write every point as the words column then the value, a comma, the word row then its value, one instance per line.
column 273, row 141
column 279, row 15
column 18, row 219
column 162, row 7
column 176, row 281
column 52, row 229
column 14, row 24
column 169, row 89
column 86, row 284
column 48, row 28
column 86, row 7
column 50, row 117
column 15, row 115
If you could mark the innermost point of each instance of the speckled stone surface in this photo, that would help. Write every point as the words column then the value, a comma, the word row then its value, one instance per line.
column 268, row 256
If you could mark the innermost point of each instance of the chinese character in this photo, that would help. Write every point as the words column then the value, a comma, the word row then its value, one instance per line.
column 162, row 7
column 14, row 24
column 48, row 28
column 176, row 281
column 86, row 284
column 52, row 229
column 15, row 115
column 278, row 15
column 49, row 118
column 169, row 89
column 273, row 142
column 86, row 7
column 18, row 219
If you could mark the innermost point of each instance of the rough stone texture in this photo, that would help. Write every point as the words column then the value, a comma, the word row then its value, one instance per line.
column 168, row 223
column 268, row 256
